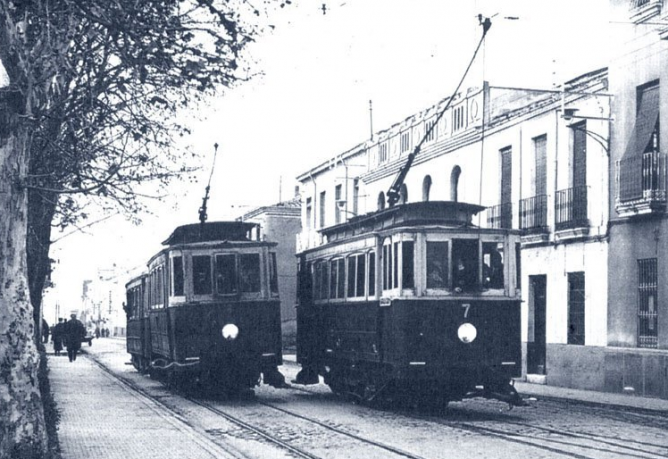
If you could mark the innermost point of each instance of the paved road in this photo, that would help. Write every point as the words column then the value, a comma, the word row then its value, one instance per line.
column 320, row 425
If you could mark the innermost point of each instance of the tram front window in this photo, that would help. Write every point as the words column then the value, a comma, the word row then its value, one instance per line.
column 225, row 274
column 465, row 264
column 437, row 264
column 492, row 260
column 202, row 274
column 249, row 273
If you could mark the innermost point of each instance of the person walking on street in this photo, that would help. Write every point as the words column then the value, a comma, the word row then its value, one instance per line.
column 75, row 332
column 45, row 331
column 57, row 336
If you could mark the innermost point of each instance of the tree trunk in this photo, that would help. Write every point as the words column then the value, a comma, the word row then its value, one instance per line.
column 41, row 209
column 22, row 427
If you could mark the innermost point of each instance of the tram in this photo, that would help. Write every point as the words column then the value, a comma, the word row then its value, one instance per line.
column 208, row 310
column 412, row 301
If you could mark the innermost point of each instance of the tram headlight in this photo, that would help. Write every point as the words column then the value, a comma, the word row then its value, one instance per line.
column 467, row 333
column 230, row 332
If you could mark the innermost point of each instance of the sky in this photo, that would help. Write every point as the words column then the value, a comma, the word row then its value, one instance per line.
column 310, row 101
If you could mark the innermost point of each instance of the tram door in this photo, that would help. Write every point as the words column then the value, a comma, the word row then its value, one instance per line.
column 536, row 341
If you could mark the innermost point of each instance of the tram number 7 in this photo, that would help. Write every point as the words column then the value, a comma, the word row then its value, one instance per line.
column 467, row 307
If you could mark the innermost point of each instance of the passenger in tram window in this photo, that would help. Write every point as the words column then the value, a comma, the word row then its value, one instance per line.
column 492, row 266
column 464, row 275
column 436, row 275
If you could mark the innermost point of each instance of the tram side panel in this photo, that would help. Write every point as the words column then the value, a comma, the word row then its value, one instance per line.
column 159, row 330
column 351, row 331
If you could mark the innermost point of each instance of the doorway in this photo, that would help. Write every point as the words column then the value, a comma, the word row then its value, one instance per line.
column 536, row 337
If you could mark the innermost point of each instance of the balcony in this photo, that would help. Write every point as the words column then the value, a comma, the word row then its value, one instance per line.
column 641, row 184
column 533, row 219
column 500, row 216
column 570, row 208
column 642, row 10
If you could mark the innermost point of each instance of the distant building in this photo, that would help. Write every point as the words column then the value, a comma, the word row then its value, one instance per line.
column 538, row 160
column 281, row 223
column 636, row 359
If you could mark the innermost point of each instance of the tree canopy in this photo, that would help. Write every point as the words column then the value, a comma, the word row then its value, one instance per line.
column 92, row 109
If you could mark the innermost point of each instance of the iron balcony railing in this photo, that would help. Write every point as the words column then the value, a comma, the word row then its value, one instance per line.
column 533, row 213
column 570, row 206
column 500, row 216
column 640, row 3
column 642, row 178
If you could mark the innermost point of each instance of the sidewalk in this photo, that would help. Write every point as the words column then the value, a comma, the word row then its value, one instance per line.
column 538, row 391
column 103, row 418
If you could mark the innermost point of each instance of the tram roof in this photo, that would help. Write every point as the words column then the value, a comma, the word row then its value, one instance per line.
column 448, row 213
column 210, row 231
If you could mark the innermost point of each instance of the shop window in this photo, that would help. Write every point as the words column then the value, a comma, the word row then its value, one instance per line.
column 576, row 308
column 647, row 303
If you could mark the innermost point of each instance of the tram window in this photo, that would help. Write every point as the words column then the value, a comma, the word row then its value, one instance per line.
column 492, row 264
column 273, row 273
column 387, row 267
column 225, row 274
column 372, row 273
column 352, row 275
column 465, row 261
column 437, row 264
column 317, row 267
column 249, row 272
column 158, row 274
column 322, row 280
column 341, row 281
column 361, row 268
column 407, row 265
column 337, row 279
column 395, row 266
column 177, row 270
column 356, row 275
column 321, row 284
column 202, row 275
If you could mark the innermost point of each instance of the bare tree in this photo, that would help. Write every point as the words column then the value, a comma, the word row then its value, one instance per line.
column 91, row 110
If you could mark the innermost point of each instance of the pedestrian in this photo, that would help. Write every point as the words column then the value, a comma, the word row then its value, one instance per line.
column 57, row 336
column 75, row 332
column 97, row 332
column 45, row 331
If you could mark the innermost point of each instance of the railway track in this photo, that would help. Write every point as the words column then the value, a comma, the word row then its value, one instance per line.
column 564, row 442
column 551, row 440
column 227, row 451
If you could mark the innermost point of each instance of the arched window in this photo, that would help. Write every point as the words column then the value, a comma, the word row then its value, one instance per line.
column 381, row 201
column 454, row 183
column 426, row 187
column 403, row 194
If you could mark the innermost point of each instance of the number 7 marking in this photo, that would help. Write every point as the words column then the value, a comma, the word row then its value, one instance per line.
column 466, row 307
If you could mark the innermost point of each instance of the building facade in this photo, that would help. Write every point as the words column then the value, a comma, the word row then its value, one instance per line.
column 281, row 223
column 636, row 359
column 538, row 160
